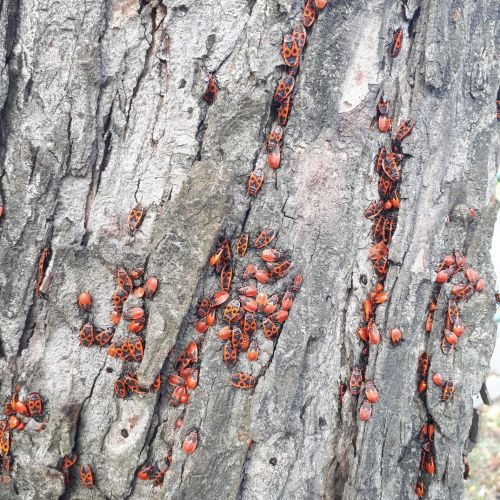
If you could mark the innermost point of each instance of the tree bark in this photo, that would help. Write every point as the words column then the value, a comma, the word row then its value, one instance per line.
column 101, row 109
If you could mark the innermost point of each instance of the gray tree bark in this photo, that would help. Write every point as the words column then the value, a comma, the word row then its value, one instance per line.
column 101, row 108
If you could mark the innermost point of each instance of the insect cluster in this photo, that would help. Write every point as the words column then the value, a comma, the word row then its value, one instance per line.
column 450, row 268
column 130, row 348
column 291, row 50
column 157, row 471
column 384, row 213
column 20, row 411
column 239, row 313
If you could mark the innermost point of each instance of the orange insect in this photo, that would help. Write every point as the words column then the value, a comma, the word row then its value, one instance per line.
column 87, row 335
column 218, row 299
column 284, row 111
column 133, row 313
column 135, row 326
column 308, row 14
column 397, row 42
column 371, row 392
column 242, row 381
column 265, row 237
column 423, row 364
column 87, row 476
column 230, row 354
column 437, row 378
column 448, row 390
column 151, row 287
column 373, row 333
column 290, row 51
column 300, row 35
column 365, row 411
column 284, row 88
column 274, row 157
column 356, row 381
column 419, row 488
column 253, row 352
column 242, row 245
column 124, row 280
column 404, row 130
column 271, row 331
column 135, row 217
column 396, row 336
column 255, row 182
column 190, row 443
column 226, row 277
column 43, row 264
column 320, row 4
column 211, row 91
column 85, row 301
column 231, row 311
column 103, row 337
column 225, row 333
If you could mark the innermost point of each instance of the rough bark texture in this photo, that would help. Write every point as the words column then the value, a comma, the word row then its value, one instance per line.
column 101, row 106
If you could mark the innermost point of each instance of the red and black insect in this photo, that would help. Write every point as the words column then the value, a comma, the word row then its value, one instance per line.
column 87, row 335
column 290, row 52
column 135, row 217
column 85, row 301
column 275, row 137
column 242, row 245
column 151, row 287
column 423, row 364
column 255, row 182
column 308, row 14
column 404, row 130
column 87, row 476
column 43, row 264
column 284, row 111
column 448, row 390
column 265, row 237
column 190, row 442
column 397, row 42
column 356, row 381
column 211, row 91
column 242, row 381
column 35, row 405
column 284, row 88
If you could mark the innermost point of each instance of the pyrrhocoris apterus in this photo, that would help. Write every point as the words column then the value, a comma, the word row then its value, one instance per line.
column 255, row 182
column 356, row 381
column 87, row 476
column 242, row 245
column 85, row 301
column 87, row 335
column 308, row 14
column 151, row 287
column 397, row 42
column 190, row 443
column 135, row 217
column 242, row 381
column 211, row 91
column 265, row 237
column 284, row 88
column 284, row 111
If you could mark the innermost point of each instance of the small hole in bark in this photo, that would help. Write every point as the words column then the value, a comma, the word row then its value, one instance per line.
column 363, row 279
column 190, row 110
column 109, row 369
column 273, row 461
column 182, row 9
column 182, row 83
column 321, row 422
column 124, row 433
column 210, row 42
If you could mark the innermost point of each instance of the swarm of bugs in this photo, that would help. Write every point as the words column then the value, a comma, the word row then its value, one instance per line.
column 130, row 348
column 239, row 314
column 292, row 49
column 21, row 410
column 384, row 213
column 157, row 471
column 449, row 270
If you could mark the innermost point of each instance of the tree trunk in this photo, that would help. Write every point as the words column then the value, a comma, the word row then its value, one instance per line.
column 102, row 109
